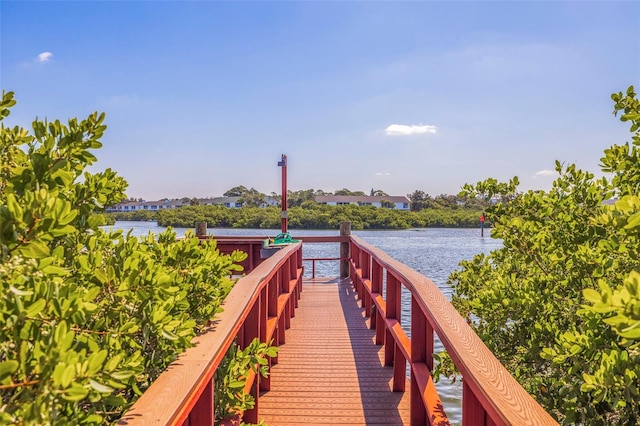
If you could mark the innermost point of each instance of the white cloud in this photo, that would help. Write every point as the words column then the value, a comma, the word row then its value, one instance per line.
column 44, row 56
column 405, row 130
column 546, row 173
column 383, row 173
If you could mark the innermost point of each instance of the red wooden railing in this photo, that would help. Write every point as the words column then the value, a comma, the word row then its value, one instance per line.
column 261, row 304
column 490, row 395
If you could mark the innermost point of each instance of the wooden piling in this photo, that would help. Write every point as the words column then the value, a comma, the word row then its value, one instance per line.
column 201, row 229
column 345, row 231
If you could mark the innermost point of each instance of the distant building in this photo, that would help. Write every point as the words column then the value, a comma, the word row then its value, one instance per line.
column 270, row 201
column 235, row 202
column 131, row 206
column 127, row 206
column 399, row 202
column 230, row 202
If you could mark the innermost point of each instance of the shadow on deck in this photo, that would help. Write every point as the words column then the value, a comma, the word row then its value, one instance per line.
column 329, row 370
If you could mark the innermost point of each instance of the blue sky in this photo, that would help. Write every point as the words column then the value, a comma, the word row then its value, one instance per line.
column 203, row 96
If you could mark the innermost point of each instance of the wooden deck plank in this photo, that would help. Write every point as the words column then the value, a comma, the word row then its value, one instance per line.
column 329, row 372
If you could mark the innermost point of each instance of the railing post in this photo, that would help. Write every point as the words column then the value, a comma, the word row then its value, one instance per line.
column 473, row 414
column 285, row 317
column 345, row 231
column 393, row 296
column 251, row 330
column 201, row 229
column 378, row 320
column 420, row 337
column 203, row 411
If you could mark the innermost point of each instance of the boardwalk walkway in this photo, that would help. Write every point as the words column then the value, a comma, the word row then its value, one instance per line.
column 329, row 370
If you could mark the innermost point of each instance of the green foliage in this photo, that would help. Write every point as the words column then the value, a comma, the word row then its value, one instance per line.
column 316, row 216
column 623, row 161
column 420, row 200
column 297, row 198
column 136, row 215
column 559, row 304
column 345, row 191
column 103, row 219
column 231, row 376
column 385, row 204
column 236, row 191
column 252, row 198
column 87, row 318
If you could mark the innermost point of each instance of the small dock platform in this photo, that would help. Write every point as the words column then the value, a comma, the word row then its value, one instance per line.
column 329, row 371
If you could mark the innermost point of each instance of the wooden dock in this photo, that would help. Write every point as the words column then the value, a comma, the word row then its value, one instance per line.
column 329, row 371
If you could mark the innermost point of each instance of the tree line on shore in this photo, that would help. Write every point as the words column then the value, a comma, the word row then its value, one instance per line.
column 442, row 211
column 308, row 216
column 419, row 200
column 251, row 197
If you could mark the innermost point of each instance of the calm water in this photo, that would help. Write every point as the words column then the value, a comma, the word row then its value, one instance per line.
column 433, row 252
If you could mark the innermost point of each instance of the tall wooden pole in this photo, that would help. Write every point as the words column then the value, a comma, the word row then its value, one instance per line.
column 284, row 215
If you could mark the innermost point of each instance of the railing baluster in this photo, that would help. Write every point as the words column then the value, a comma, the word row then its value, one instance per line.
column 376, row 277
column 364, row 256
column 380, row 327
column 394, row 298
column 295, row 265
column 202, row 413
column 251, row 331
column 379, row 314
column 419, row 354
column 366, row 292
column 268, row 297
column 393, row 313
column 399, row 369
column 389, row 348
column 419, row 337
column 473, row 414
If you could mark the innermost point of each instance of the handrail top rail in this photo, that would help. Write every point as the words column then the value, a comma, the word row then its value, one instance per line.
column 498, row 391
column 197, row 364
column 303, row 238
